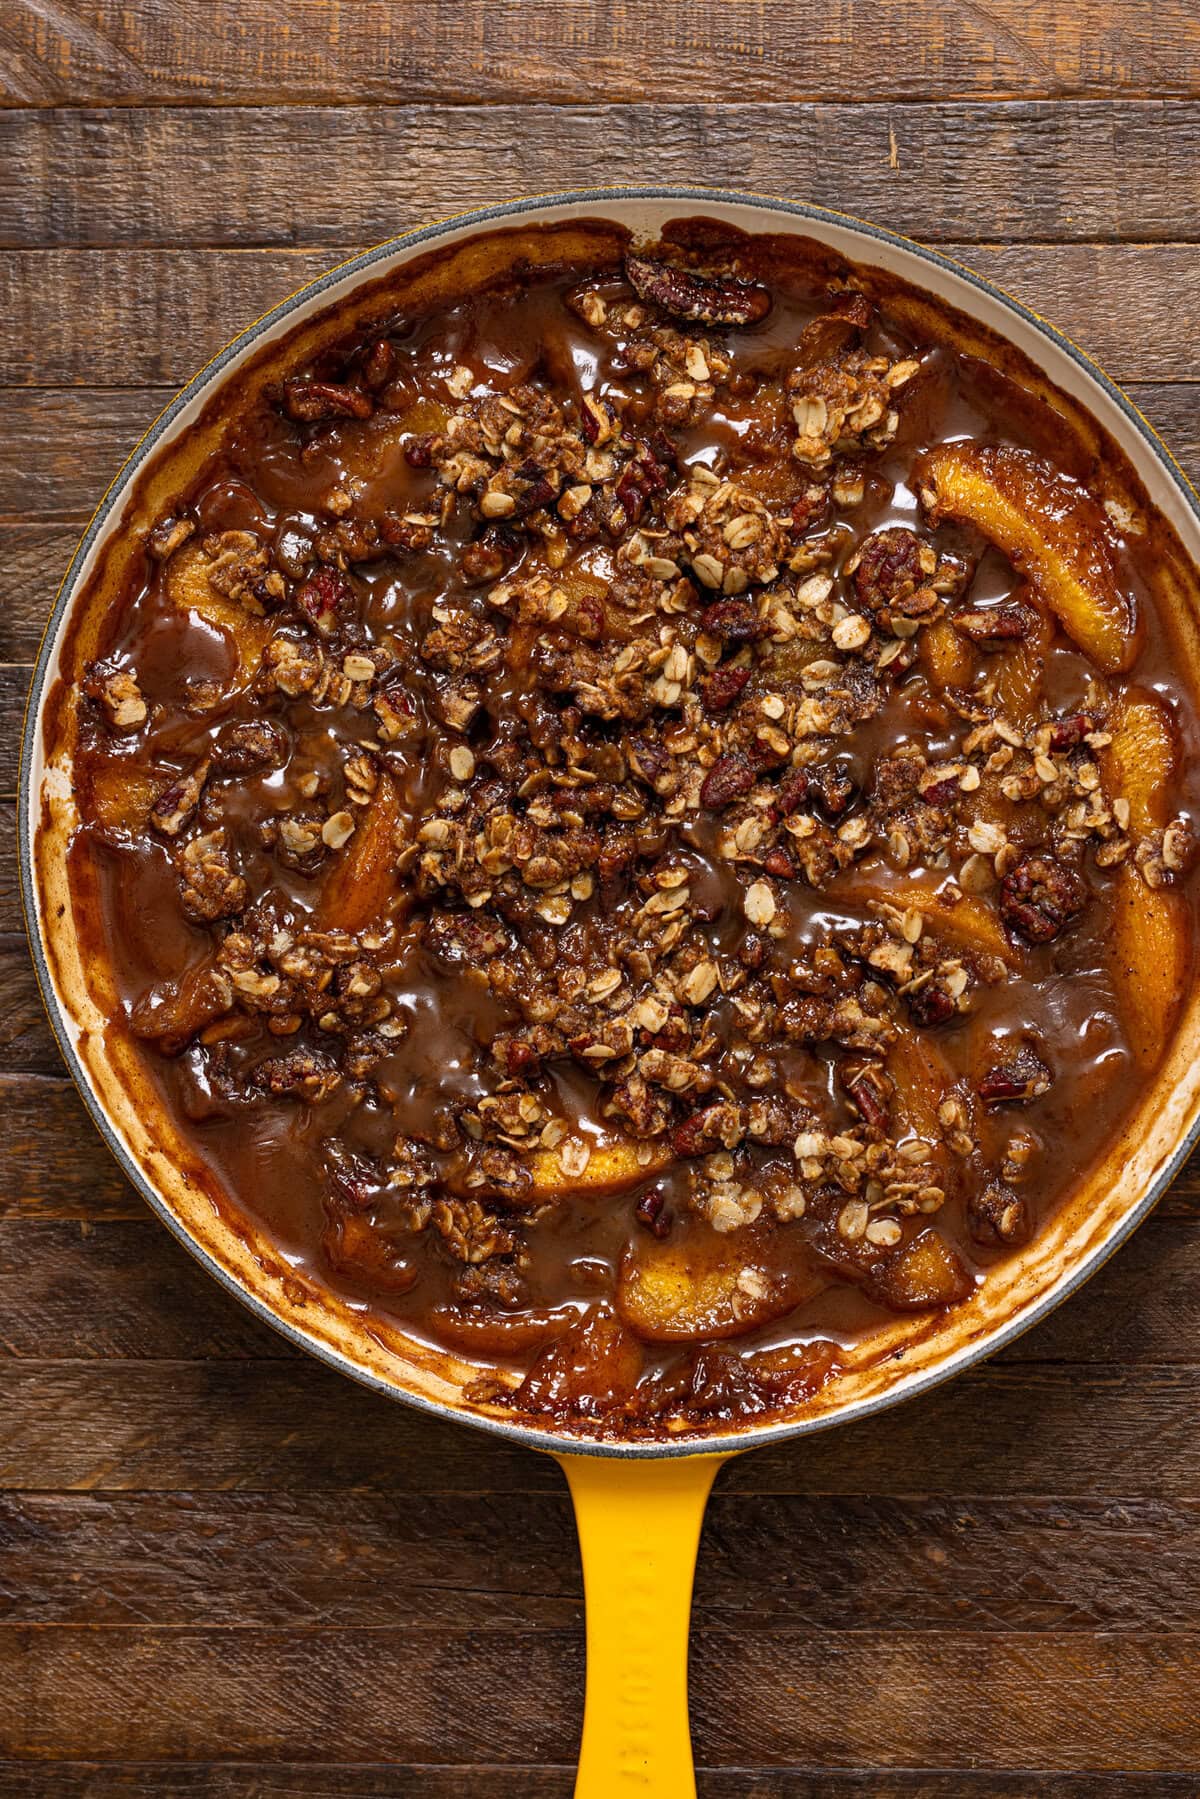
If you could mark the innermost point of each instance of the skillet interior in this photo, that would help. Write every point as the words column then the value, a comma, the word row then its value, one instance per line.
column 447, row 264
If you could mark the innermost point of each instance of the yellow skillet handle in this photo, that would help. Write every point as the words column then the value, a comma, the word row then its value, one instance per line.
column 639, row 1526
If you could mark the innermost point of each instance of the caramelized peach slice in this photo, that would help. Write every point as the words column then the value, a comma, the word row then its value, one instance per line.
column 1049, row 529
column 927, row 1272
column 922, row 1081
column 969, row 922
column 494, row 1333
column 946, row 656
column 120, row 796
column 424, row 416
column 699, row 1287
column 1149, row 951
column 609, row 1168
column 188, row 588
column 172, row 1013
column 365, row 878
column 596, row 1363
column 1017, row 682
column 357, row 1246
column 1140, row 760
column 1149, row 941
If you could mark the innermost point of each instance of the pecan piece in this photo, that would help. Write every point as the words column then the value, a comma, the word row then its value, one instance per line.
column 994, row 624
column 737, row 621
column 250, row 748
column 313, row 402
column 930, row 1004
column 998, row 1215
column 1066, row 733
column 379, row 363
column 322, row 597
column 829, row 787
column 891, row 571
column 811, row 510
column 723, row 687
column 651, row 1212
column 868, row 1087
column 707, row 299
column 1040, row 897
column 730, row 778
column 1022, row 1076
column 304, row 1075
column 716, row 1127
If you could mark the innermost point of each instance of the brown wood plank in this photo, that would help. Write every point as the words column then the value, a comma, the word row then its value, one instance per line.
column 353, row 1560
column 275, row 1780
column 1002, row 1429
column 360, row 175
column 26, row 1042
column 493, row 1696
column 55, row 1163
column 119, row 1288
column 33, row 560
column 124, row 1289
column 14, row 690
column 60, row 449
column 12, row 917
column 235, row 52
column 141, row 318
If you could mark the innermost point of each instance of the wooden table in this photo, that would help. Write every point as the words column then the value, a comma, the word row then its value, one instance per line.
column 225, row 1571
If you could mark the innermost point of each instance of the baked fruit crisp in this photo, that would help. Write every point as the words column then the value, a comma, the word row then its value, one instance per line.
column 641, row 821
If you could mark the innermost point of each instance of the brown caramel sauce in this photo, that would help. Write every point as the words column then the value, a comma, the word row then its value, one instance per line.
column 266, row 1158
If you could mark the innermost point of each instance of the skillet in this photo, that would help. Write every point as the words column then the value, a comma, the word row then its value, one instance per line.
column 639, row 1503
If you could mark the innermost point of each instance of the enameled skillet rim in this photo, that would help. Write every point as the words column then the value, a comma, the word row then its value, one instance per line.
column 562, row 1442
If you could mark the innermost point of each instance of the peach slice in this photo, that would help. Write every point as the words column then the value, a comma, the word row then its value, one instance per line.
column 494, row 1333
column 172, row 1013
column 1017, row 683
column 946, row 656
column 679, row 1291
column 969, row 922
column 365, row 878
column 922, row 1079
column 120, row 797
column 188, row 589
column 1140, row 760
column 1049, row 529
column 1149, row 947
column 1149, row 952
column 927, row 1272
column 596, row 1356
column 609, row 1168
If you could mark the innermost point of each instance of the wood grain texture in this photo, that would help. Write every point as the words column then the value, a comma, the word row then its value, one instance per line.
column 227, row 1573
column 141, row 318
column 55, row 1163
column 282, row 176
column 26, row 1041
column 236, row 51
column 496, row 1696
column 276, row 1780
column 353, row 1560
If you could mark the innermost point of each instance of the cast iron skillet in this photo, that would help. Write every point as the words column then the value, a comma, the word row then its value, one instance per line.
column 639, row 1504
